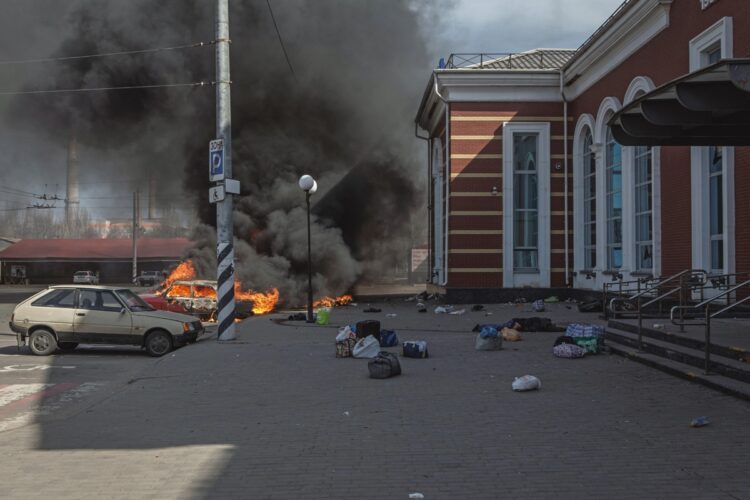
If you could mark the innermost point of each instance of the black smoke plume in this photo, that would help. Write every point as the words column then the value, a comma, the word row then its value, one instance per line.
column 344, row 116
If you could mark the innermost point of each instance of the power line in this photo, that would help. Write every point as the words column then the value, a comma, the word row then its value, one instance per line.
column 281, row 40
column 103, row 89
column 108, row 54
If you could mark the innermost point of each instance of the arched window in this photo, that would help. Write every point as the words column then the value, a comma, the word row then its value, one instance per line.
column 613, row 169
column 589, row 202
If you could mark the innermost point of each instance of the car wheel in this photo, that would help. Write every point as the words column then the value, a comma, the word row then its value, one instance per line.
column 42, row 342
column 67, row 346
column 158, row 343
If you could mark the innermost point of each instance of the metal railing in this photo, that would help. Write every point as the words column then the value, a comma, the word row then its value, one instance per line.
column 522, row 60
column 656, row 291
column 725, row 299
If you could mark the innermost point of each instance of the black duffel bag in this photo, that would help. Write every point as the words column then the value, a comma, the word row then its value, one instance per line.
column 384, row 365
column 368, row 327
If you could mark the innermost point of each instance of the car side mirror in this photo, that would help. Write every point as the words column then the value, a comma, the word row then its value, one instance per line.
column 122, row 310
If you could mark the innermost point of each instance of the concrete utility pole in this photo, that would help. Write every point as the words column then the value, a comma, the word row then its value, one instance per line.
column 224, row 230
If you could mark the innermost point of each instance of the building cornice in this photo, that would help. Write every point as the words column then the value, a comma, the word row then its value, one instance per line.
column 628, row 33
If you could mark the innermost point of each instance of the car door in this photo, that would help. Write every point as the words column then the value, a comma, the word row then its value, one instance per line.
column 101, row 318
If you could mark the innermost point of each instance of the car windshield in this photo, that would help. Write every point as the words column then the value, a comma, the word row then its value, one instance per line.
column 134, row 302
column 81, row 273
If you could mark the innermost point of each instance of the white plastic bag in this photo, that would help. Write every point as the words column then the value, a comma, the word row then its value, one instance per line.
column 527, row 383
column 368, row 347
column 345, row 332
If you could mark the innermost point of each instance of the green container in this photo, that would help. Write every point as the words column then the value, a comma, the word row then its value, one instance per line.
column 591, row 344
column 324, row 315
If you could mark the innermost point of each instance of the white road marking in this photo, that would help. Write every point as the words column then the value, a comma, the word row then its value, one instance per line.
column 17, row 391
column 32, row 368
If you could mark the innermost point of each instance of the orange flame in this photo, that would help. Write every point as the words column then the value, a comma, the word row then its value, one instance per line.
column 263, row 303
column 185, row 271
column 331, row 302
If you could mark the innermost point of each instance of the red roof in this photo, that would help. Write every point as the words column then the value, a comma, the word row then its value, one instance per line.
column 96, row 249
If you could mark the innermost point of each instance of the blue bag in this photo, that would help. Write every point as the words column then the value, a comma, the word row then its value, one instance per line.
column 488, row 332
column 388, row 338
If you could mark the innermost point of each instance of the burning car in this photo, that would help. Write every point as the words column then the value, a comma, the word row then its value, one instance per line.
column 198, row 297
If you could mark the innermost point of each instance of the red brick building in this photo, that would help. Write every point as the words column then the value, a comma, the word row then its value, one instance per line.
column 529, row 187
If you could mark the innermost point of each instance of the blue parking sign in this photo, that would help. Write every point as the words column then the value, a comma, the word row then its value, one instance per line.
column 216, row 160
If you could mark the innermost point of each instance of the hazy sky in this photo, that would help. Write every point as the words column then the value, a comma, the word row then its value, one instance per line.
column 519, row 25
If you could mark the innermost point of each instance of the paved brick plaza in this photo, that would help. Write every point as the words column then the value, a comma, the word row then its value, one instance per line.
column 275, row 415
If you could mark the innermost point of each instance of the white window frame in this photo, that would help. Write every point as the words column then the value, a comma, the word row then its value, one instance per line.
column 638, row 86
column 585, row 122
column 719, row 34
column 607, row 108
column 542, row 278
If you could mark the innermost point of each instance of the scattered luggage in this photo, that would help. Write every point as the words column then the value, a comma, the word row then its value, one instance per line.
column 589, row 337
column 323, row 316
column 372, row 310
column 345, row 341
column 388, row 338
column 538, row 306
column 536, row 324
column 510, row 335
column 488, row 340
column 415, row 349
column 368, row 327
column 564, row 339
column 570, row 351
column 384, row 365
column 367, row 347
column 526, row 383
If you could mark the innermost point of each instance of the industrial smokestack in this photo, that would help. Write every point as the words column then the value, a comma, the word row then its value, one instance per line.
column 72, row 196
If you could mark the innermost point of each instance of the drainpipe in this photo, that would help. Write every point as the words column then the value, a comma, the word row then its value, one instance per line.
column 447, row 180
column 427, row 139
column 565, row 179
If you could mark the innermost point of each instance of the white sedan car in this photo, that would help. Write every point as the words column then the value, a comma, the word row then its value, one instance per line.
column 67, row 315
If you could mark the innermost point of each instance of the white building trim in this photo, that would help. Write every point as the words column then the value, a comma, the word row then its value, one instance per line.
column 721, row 34
column 585, row 122
column 437, row 211
column 542, row 278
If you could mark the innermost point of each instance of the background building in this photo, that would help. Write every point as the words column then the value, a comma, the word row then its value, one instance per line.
column 529, row 187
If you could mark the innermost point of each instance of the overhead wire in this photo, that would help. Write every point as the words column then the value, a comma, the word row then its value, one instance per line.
column 107, row 54
column 103, row 89
column 281, row 40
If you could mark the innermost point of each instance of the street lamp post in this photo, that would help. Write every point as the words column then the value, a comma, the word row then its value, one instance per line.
column 309, row 186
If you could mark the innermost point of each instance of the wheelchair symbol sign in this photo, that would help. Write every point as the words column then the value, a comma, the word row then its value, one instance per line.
column 216, row 160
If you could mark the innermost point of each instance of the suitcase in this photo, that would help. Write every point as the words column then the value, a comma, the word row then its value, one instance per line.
column 384, row 365
column 415, row 349
column 388, row 338
column 368, row 327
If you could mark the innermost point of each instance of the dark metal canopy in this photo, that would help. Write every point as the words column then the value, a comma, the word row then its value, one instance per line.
column 709, row 107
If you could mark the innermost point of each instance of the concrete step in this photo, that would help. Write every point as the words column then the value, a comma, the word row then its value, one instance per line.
column 730, row 368
column 716, row 382
column 734, row 353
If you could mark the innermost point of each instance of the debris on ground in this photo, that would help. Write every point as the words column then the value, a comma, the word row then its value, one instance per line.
column 510, row 335
column 590, row 337
column 388, row 338
column 700, row 422
column 410, row 299
column 384, row 365
column 345, row 341
column 368, row 347
column 298, row 317
column 477, row 307
column 570, row 351
column 367, row 327
column 538, row 306
column 457, row 312
column 590, row 306
column 421, row 307
column 323, row 315
column 526, row 383
column 372, row 310
column 391, row 315
column 416, row 496
column 536, row 324
column 415, row 349
column 443, row 309
column 552, row 300
column 488, row 339
column 659, row 326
